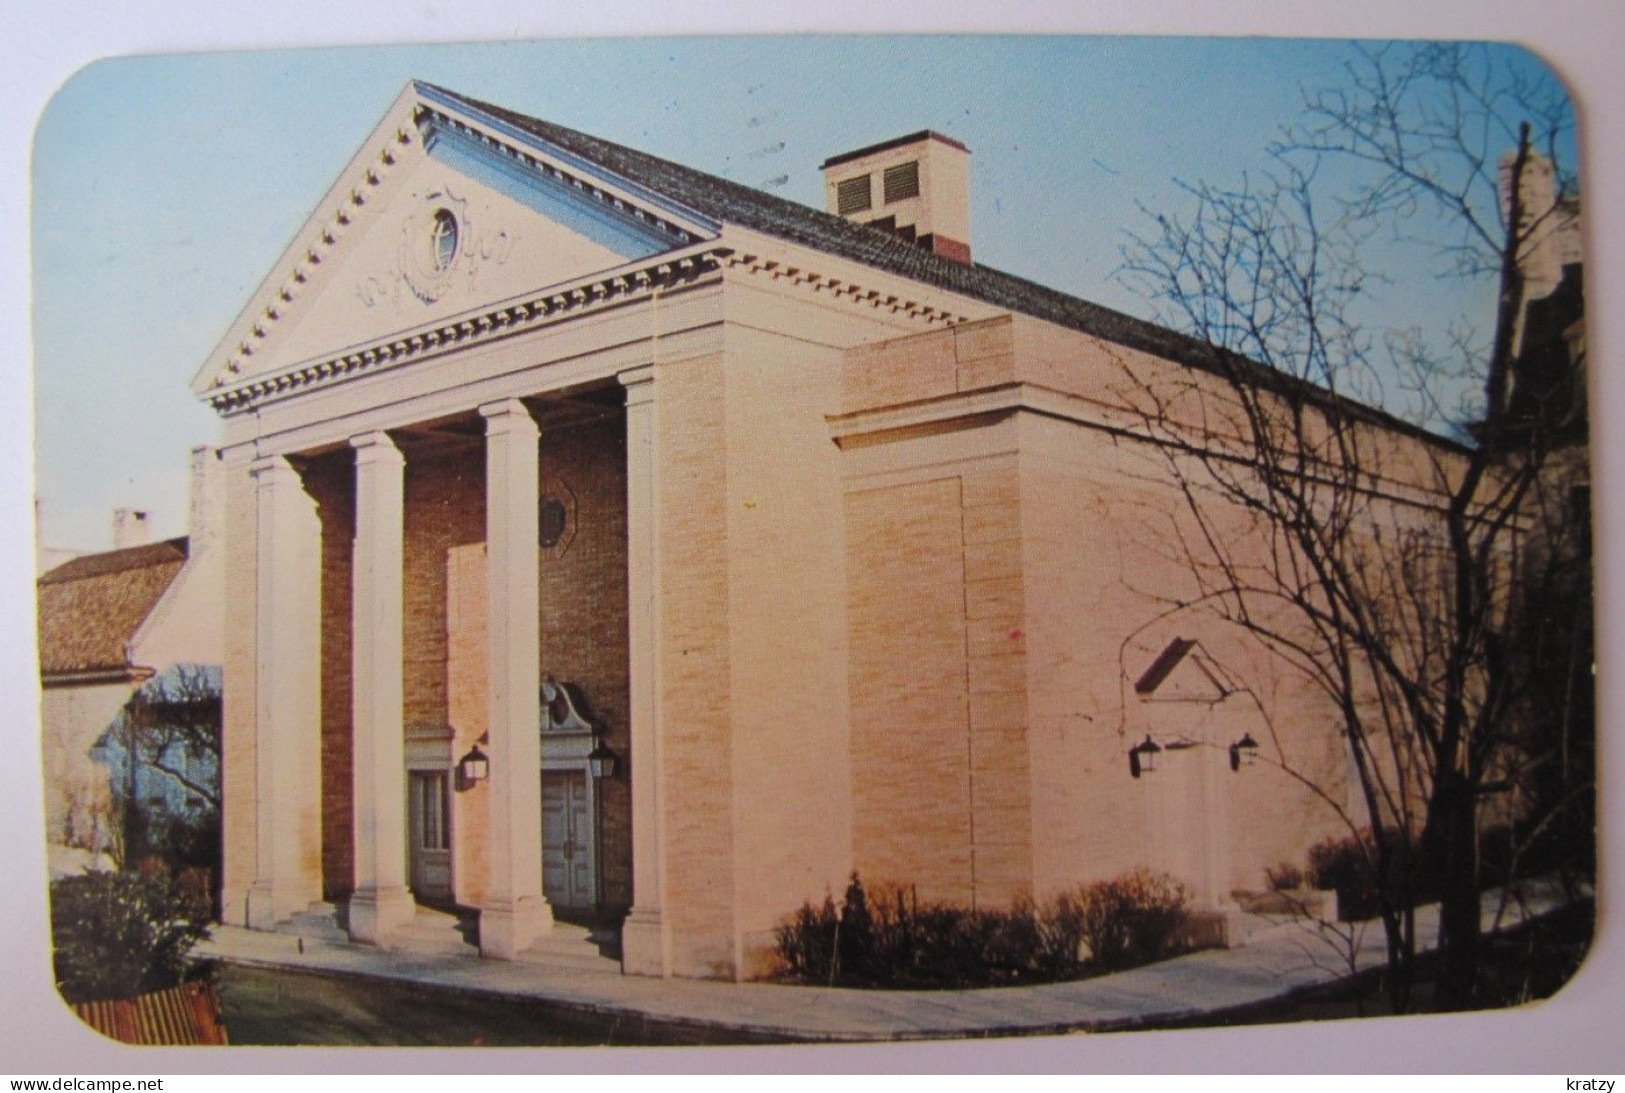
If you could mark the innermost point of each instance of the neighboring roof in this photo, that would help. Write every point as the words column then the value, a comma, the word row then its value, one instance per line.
column 90, row 607
column 732, row 203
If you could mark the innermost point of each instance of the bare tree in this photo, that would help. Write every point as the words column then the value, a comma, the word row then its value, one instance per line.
column 172, row 726
column 1388, row 563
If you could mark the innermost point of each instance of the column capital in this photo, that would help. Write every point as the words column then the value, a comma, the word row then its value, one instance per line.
column 266, row 469
column 376, row 446
column 639, row 383
column 508, row 413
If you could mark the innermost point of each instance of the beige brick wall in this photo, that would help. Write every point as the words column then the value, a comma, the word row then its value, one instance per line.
column 787, row 633
column 238, row 743
column 1070, row 571
column 1103, row 543
column 697, row 815
column 941, row 780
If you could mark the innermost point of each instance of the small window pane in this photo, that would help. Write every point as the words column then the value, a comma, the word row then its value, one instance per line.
column 445, row 239
column 852, row 195
column 432, row 810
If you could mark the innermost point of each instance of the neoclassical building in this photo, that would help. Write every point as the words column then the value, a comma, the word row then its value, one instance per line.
column 845, row 549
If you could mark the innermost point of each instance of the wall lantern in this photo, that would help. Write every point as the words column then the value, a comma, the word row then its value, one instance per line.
column 1142, row 757
column 473, row 767
column 601, row 761
column 1244, row 752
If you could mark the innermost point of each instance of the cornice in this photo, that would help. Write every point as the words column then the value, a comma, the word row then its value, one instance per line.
column 571, row 300
column 501, row 320
column 800, row 274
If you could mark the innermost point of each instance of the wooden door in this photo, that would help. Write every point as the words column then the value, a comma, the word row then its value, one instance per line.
column 429, row 832
column 569, row 846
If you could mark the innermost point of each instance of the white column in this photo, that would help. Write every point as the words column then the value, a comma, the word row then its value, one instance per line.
column 381, row 901
column 515, row 911
column 643, row 938
column 287, row 695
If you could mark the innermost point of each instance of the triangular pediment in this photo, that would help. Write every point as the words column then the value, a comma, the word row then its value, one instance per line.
column 1184, row 672
column 444, row 211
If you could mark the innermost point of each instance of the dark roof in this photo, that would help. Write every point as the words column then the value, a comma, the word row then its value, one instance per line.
column 895, row 142
column 90, row 607
column 729, row 202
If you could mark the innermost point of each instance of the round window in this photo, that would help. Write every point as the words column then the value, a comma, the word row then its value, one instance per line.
column 553, row 516
column 444, row 237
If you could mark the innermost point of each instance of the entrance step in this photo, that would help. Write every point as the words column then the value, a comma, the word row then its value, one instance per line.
column 568, row 947
column 432, row 931
column 319, row 923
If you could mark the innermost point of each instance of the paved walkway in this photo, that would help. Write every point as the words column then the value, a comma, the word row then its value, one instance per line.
column 1281, row 959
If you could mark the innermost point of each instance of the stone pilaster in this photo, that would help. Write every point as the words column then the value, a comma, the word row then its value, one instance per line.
column 380, row 902
column 644, row 942
column 287, row 711
column 515, row 911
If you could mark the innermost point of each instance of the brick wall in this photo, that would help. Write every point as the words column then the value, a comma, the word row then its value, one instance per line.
column 584, row 613
column 583, row 621
column 331, row 482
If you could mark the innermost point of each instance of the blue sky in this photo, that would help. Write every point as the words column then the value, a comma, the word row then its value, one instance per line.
column 166, row 187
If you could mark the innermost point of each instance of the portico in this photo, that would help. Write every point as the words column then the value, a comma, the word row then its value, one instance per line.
column 425, row 537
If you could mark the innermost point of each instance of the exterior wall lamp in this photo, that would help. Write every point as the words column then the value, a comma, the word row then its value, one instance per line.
column 1142, row 757
column 473, row 768
column 1244, row 752
column 601, row 760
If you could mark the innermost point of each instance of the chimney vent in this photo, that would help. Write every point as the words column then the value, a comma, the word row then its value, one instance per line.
column 916, row 187
column 130, row 528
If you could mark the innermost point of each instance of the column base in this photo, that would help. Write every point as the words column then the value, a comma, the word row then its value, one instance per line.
column 506, row 930
column 375, row 913
column 262, row 909
column 643, row 945
column 270, row 903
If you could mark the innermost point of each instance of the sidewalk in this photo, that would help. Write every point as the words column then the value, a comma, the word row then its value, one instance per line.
column 1280, row 960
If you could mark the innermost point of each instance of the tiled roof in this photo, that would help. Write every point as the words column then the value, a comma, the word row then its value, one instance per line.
column 90, row 607
column 731, row 203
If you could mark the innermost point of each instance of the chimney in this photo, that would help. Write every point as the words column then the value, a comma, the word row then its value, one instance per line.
column 130, row 529
column 1537, row 199
column 917, row 187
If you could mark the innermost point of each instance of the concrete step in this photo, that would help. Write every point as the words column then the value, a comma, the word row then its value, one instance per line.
column 432, row 931
column 567, row 947
column 319, row 923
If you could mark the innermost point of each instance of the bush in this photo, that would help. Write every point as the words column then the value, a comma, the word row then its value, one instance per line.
column 1284, row 877
column 1349, row 866
column 888, row 938
column 117, row 935
column 1132, row 919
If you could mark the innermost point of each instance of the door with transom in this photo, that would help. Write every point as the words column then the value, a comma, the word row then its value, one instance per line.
column 429, row 832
